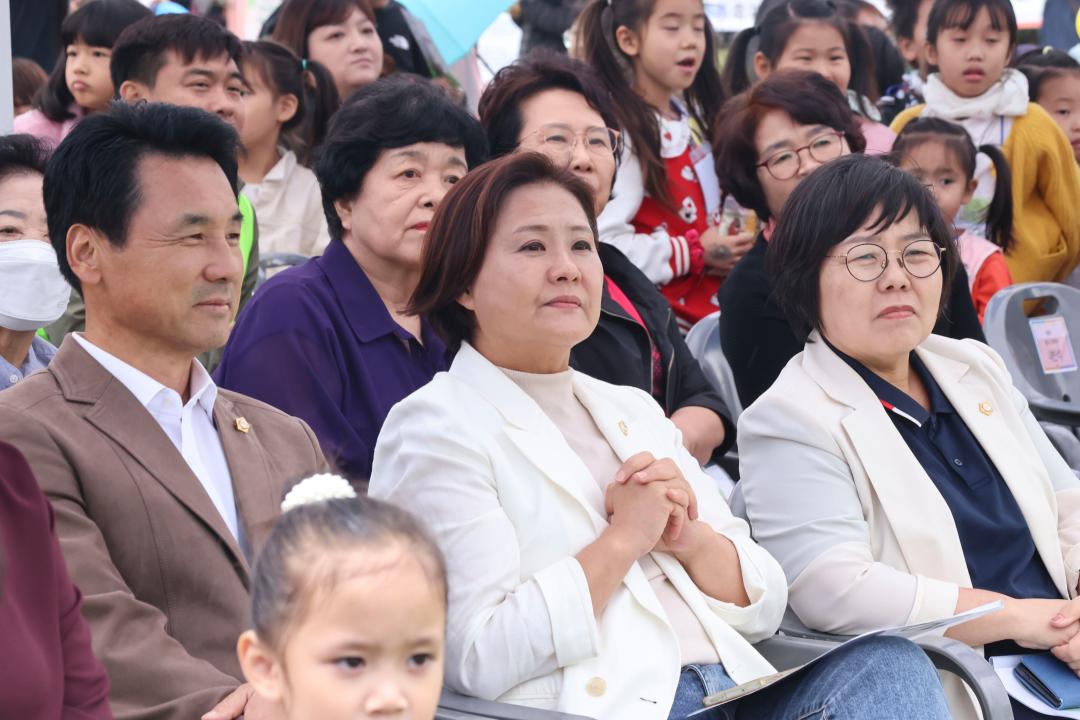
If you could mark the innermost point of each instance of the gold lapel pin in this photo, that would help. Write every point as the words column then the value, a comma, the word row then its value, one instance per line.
column 623, row 427
column 986, row 408
column 243, row 425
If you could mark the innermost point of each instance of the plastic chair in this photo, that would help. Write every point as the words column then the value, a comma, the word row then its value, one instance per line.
column 704, row 343
column 1012, row 317
column 795, row 645
column 277, row 261
column 453, row 706
column 703, row 340
column 783, row 652
column 948, row 655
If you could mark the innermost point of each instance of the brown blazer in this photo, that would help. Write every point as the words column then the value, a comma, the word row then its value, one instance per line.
column 165, row 584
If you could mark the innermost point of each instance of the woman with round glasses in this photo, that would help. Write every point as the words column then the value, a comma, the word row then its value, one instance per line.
column 898, row 476
column 557, row 106
column 768, row 140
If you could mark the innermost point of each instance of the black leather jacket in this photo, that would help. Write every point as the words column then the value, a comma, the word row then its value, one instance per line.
column 619, row 351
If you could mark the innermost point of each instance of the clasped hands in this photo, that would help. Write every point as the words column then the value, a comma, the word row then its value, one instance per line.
column 1062, row 634
column 653, row 506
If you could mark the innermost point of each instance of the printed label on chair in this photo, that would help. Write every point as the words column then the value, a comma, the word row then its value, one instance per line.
column 1054, row 344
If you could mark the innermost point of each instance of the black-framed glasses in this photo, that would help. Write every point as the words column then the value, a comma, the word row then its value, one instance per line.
column 867, row 261
column 562, row 138
column 785, row 164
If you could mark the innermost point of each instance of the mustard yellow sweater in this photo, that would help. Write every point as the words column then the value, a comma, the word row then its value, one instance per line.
column 1046, row 196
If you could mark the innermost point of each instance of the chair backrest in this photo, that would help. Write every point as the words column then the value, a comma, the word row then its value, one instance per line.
column 1035, row 327
column 276, row 261
column 704, row 343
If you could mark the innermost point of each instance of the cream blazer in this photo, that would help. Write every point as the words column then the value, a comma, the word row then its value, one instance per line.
column 511, row 504
column 865, row 538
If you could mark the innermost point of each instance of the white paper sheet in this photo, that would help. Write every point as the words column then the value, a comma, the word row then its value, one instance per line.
column 1003, row 666
column 911, row 632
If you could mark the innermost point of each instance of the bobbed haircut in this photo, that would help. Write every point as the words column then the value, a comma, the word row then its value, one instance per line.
column 27, row 79
column 21, row 155
column 806, row 97
column 301, row 560
column 92, row 178
column 537, row 72
column 98, row 23
column 297, row 18
column 830, row 205
column 392, row 112
column 460, row 232
column 141, row 50
column 1042, row 64
column 948, row 14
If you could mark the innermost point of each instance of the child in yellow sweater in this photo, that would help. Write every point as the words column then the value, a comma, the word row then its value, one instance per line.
column 971, row 41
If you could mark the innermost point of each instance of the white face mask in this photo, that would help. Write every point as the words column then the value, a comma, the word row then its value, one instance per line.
column 33, row 293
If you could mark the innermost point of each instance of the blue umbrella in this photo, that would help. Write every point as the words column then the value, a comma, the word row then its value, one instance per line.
column 456, row 25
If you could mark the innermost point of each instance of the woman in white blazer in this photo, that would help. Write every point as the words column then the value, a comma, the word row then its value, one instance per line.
column 594, row 568
column 898, row 476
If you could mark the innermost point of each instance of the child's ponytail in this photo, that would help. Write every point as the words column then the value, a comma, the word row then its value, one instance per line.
column 999, row 216
column 596, row 39
column 321, row 99
column 309, row 82
column 737, row 68
column 775, row 29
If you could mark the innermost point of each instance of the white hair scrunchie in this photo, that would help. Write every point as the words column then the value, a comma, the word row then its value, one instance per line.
column 317, row 488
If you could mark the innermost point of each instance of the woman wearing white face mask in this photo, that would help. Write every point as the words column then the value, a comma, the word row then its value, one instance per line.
column 33, row 293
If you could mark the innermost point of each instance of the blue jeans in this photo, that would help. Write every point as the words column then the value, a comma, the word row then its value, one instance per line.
column 881, row 678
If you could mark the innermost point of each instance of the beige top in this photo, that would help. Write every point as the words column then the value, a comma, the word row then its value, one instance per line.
column 288, row 207
column 554, row 393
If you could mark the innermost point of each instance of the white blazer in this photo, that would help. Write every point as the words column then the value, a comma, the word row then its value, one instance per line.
column 511, row 504
column 865, row 538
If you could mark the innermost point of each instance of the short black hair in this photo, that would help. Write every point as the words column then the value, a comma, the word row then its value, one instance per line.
column 827, row 207
column 1042, row 64
column 21, row 154
column 139, row 53
column 92, row 179
column 99, row 24
column 392, row 112
column 889, row 65
column 903, row 16
column 539, row 71
column 947, row 14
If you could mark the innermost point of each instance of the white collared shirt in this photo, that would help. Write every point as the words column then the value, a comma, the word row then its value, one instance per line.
column 190, row 427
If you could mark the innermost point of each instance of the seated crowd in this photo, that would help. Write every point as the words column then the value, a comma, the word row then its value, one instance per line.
column 466, row 441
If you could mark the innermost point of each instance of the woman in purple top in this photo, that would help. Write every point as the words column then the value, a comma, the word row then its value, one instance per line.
column 330, row 341
column 47, row 670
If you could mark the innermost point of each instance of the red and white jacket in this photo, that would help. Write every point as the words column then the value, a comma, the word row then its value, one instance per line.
column 663, row 241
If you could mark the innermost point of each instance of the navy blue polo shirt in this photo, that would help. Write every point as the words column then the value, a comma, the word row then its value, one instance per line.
column 998, row 548
column 316, row 341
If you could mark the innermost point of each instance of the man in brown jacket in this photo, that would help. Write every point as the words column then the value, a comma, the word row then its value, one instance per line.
column 164, row 487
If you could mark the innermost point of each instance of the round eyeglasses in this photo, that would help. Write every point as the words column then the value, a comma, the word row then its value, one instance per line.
column 562, row 138
column 785, row 164
column 866, row 261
